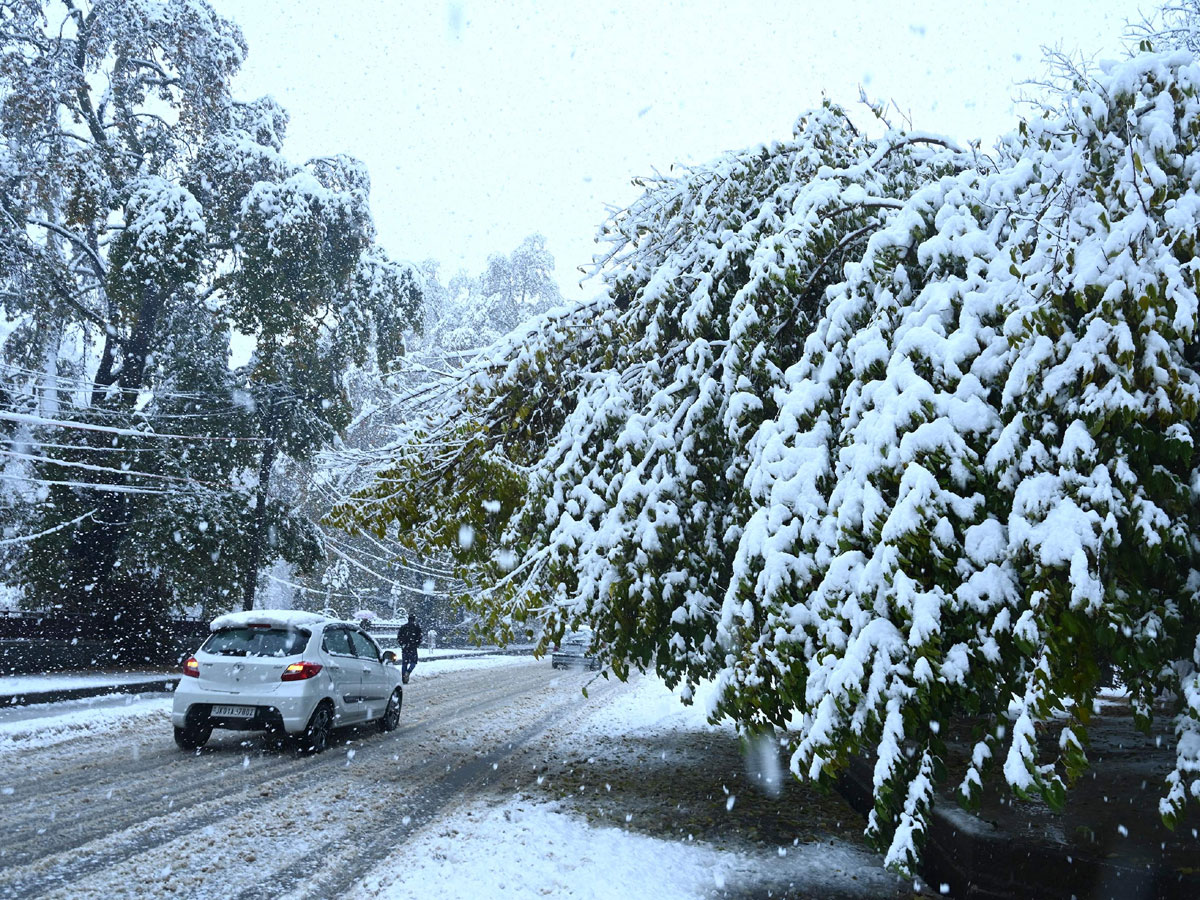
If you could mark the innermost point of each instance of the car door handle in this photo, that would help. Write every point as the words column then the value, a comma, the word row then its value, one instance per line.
column 366, row 670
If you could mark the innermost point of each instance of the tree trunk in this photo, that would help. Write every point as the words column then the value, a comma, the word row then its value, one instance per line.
column 97, row 549
column 133, row 355
column 258, row 525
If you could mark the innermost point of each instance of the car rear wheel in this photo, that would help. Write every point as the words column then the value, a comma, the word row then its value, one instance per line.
column 315, row 736
column 192, row 737
column 391, row 716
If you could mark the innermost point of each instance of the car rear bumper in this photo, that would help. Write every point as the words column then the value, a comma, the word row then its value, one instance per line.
column 290, row 714
column 265, row 718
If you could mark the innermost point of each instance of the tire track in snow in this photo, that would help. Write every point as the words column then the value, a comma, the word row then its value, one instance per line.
column 284, row 776
column 141, row 774
column 143, row 760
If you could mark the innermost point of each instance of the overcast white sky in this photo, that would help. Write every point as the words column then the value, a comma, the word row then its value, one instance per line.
column 482, row 121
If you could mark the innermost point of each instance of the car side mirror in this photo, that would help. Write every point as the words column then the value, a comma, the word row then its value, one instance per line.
column 389, row 658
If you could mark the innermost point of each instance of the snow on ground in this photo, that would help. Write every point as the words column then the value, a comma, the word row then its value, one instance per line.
column 82, row 723
column 428, row 668
column 650, row 706
column 443, row 652
column 534, row 850
column 517, row 848
column 524, row 849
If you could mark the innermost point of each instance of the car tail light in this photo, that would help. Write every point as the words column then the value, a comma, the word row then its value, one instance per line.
column 191, row 667
column 300, row 671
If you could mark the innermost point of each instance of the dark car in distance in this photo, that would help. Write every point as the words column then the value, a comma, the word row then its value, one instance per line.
column 575, row 651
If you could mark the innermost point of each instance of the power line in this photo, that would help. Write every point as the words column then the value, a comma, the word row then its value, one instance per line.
column 29, row 419
column 81, row 447
column 33, row 537
column 398, row 563
column 308, row 590
column 94, row 486
column 81, row 382
column 411, row 565
column 385, row 579
column 71, row 464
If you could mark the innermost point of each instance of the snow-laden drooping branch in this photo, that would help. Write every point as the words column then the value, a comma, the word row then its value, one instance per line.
column 879, row 433
column 614, row 428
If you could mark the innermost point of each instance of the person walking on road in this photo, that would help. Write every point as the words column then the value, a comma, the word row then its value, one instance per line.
column 409, row 638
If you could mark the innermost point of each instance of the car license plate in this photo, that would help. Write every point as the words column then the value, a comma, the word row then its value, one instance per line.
column 234, row 712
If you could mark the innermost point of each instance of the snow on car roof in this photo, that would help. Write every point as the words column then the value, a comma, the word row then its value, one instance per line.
column 276, row 618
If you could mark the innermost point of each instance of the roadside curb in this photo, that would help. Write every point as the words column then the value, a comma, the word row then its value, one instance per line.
column 162, row 684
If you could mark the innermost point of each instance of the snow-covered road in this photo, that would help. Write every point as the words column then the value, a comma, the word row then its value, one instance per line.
column 125, row 813
column 100, row 803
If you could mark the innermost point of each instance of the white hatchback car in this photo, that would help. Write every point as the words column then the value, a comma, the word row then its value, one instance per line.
column 297, row 674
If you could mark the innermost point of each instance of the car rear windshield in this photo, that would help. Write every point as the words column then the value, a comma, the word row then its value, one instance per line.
column 257, row 642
